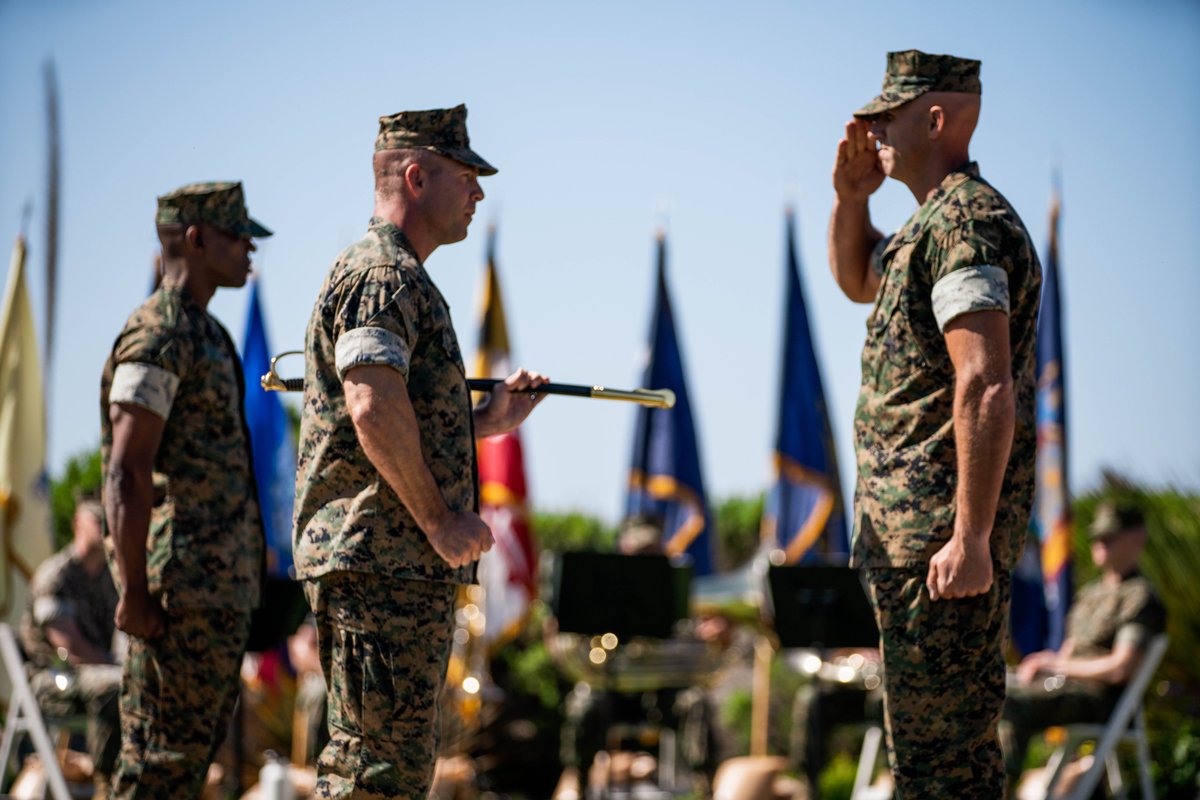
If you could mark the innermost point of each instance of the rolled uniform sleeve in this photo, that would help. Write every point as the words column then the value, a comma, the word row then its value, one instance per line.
column 969, row 277
column 1142, row 617
column 375, row 323
column 149, row 365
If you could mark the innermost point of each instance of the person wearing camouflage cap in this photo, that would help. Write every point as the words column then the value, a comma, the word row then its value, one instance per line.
column 180, row 498
column 944, row 426
column 386, row 515
column 1109, row 627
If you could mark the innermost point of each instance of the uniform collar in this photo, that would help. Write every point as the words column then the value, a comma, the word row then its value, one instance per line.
column 174, row 286
column 394, row 234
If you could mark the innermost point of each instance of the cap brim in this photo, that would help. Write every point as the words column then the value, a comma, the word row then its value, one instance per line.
column 257, row 230
column 888, row 101
column 471, row 159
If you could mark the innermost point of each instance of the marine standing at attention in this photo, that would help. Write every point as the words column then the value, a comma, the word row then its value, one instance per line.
column 386, row 523
column 180, row 499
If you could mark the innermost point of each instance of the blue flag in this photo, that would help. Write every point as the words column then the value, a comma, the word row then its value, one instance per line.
column 665, row 481
column 1052, row 505
column 806, row 499
column 1041, row 593
column 272, row 441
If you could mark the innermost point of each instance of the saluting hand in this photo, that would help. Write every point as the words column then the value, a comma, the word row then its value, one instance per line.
column 140, row 615
column 460, row 538
column 856, row 171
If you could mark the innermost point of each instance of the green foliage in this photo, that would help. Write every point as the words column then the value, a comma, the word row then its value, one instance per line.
column 1172, row 563
column 80, row 478
column 736, row 713
column 837, row 779
column 737, row 521
column 572, row 530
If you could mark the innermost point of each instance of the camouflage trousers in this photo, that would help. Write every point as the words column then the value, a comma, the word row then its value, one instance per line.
column 91, row 689
column 384, row 646
column 1037, row 706
column 944, row 679
column 177, row 695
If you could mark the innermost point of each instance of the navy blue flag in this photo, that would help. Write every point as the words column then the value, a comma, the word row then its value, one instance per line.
column 273, row 443
column 665, row 481
column 1042, row 580
column 803, row 515
column 1052, row 514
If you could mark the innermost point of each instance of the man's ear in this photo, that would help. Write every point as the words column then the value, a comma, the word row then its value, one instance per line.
column 194, row 237
column 937, row 121
column 414, row 178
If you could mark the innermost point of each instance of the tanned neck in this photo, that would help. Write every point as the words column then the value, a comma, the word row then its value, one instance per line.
column 409, row 222
column 179, row 271
column 924, row 184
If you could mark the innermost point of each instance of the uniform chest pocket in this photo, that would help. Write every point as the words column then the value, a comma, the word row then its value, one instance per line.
column 895, row 271
column 443, row 336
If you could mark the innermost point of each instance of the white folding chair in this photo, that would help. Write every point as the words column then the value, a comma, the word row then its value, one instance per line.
column 867, row 757
column 1126, row 724
column 24, row 716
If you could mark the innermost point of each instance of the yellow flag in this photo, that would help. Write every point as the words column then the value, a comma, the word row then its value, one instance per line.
column 24, row 488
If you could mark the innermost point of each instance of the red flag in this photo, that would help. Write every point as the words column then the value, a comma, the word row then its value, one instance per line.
column 507, row 572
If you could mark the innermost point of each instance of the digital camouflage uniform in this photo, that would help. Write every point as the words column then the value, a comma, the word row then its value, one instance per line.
column 63, row 590
column 1103, row 616
column 382, row 597
column 964, row 250
column 205, row 547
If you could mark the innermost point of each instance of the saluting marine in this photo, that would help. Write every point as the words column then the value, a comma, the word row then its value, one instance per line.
column 944, row 428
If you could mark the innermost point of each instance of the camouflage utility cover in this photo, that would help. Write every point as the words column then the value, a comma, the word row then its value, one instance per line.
column 379, row 306
column 62, row 589
column 969, row 243
column 442, row 130
column 205, row 545
column 911, row 73
column 1105, row 615
column 220, row 203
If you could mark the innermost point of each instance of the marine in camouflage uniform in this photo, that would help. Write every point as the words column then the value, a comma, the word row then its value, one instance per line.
column 386, row 527
column 1108, row 630
column 960, row 280
column 181, row 499
column 67, row 632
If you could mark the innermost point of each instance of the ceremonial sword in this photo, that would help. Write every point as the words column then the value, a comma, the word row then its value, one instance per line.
column 655, row 398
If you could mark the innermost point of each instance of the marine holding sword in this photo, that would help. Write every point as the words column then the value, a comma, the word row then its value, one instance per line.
column 386, row 527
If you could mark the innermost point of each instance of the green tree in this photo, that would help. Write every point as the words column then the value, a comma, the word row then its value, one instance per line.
column 80, row 478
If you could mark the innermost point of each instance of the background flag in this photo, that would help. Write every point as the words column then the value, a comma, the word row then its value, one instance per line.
column 273, row 443
column 507, row 572
column 665, row 481
column 806, row 499
column 24, row 487
column 1052, row 505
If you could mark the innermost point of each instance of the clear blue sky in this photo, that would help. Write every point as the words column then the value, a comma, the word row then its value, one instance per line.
column 606, row 120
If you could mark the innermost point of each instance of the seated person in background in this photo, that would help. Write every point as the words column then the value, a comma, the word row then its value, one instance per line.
column 1111, row 623
column 67, row 632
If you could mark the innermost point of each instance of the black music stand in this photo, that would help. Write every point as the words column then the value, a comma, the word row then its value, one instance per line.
column 822, row 607
column 614, row 593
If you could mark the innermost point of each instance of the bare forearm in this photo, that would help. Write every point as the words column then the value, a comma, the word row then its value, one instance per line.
column 129, row 496
column 983, row 430
column 852, row 237
column 66, row 636
column 1113, row 668
column 387, row 429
